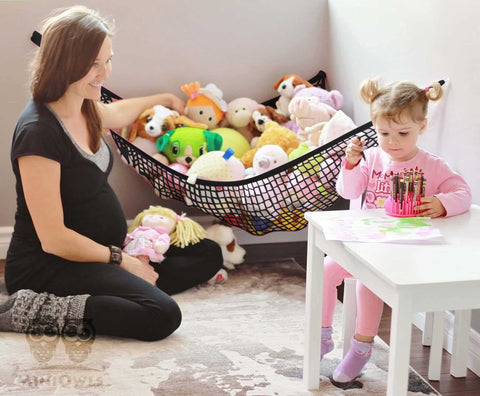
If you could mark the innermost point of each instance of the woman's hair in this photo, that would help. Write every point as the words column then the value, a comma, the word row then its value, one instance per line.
column 396, row 100
column 185, row 232
column 71, row 41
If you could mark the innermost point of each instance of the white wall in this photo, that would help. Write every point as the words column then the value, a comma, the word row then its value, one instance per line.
column 419, row 41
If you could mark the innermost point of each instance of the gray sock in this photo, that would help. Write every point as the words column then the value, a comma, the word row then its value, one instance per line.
column 42, row 313
column 6, row 314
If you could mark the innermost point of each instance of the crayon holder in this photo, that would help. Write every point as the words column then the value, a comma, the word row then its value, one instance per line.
column 404, row 209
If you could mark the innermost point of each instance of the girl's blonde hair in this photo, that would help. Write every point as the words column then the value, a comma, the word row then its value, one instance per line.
column 71, row 40
column 185, row 232
column 399, row 99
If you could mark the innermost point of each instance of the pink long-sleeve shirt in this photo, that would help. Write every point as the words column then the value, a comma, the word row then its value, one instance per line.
column 372, row 176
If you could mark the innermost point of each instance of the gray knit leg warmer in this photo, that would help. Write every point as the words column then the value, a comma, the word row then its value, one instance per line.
column 42, row 313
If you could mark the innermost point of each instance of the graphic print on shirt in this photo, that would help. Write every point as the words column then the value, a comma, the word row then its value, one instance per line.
column 378, row 190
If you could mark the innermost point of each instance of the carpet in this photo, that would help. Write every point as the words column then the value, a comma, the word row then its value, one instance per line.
column 240, row 338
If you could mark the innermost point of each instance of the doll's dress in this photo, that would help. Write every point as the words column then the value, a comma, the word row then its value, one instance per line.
column 142, row 240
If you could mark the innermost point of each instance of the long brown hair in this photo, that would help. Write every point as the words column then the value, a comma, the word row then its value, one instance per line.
column 71, row 40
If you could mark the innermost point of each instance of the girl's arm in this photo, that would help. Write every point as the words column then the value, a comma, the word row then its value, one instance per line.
column 123, row 112
column 41, row 185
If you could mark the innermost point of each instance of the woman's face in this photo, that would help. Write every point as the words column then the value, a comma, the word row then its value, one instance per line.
column 89, row 86
column 399, row 140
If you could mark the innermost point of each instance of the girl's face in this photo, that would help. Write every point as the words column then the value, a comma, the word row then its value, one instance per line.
column 89, row 86
column 399, row 140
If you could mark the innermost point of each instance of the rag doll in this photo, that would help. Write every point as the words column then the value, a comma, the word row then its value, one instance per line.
column 155, row 228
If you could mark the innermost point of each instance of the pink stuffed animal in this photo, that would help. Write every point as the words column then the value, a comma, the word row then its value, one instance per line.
column 332, row 98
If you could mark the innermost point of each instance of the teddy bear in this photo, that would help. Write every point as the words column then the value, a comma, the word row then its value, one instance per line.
column 273, row 134
column 233, row 254
column 185, row 144
column 205, row 105
column 238, row 116
column 285, row 87
column 267, row 157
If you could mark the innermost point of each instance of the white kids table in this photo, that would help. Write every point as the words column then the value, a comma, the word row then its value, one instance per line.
column 409, row 277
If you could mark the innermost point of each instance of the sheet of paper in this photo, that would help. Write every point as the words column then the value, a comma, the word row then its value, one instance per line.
column 381, row 229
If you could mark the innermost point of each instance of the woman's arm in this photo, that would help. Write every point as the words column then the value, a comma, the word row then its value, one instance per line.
column 41, row 185
column 124, row 112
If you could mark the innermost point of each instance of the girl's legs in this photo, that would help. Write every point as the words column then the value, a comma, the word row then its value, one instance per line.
column 333, row 275
column 186, row 267
column 369, row 314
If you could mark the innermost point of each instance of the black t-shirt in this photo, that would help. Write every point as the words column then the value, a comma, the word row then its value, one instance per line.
column 90, row 206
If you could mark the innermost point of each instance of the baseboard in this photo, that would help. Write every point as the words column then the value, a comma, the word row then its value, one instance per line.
column 5, row 236
column 474, row 339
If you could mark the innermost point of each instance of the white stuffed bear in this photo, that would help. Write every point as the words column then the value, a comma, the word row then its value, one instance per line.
column 233, row 254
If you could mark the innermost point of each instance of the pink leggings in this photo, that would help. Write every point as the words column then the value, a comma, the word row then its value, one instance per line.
column 369, row 306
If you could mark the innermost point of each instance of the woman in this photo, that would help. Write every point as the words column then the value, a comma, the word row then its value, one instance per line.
column 65, row 265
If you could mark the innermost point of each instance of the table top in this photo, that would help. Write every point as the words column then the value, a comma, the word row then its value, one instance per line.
column 455, row 259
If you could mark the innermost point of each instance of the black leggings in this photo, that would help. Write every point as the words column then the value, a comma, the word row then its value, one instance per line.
column 123, row 305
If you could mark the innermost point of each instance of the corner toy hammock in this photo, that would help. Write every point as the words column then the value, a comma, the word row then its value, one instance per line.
column 273, row 201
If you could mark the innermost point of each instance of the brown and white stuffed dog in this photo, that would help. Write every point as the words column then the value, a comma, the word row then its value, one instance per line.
column 260, row 118
column 285, row 86
column 158, row 120
column 233, row 254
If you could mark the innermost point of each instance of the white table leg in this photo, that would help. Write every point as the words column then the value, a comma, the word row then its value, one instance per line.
column 461, row 333
column 427, row 329
column 400, row 339
column 313, row 313
column 349, row 312
column 436, row 348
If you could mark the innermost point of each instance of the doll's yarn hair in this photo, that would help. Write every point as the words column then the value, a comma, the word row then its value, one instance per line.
column 186, row 231
column 199, row 98
column 398, row 100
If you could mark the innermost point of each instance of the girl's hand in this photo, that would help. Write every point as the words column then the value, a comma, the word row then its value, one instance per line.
column 138, row 268
column 354, row 152
column 431, row 207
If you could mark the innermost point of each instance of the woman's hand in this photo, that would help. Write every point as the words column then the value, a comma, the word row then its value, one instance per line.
column 136, row 267
column 431, row 207
column 354, row 152
column 174, row 103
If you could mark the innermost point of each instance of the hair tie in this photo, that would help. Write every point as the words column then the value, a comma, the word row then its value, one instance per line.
column 427, row 89
column 181, row 217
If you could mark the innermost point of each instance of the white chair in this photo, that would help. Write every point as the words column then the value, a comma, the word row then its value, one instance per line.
column 432, row 334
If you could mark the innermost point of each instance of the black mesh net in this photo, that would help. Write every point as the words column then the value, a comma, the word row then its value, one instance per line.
column 273, row 201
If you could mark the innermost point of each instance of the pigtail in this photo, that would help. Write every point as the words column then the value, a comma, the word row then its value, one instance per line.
column 434, row 91
column 369, row 90
column 187, row 232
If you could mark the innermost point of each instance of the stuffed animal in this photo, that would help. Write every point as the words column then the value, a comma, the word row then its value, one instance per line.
column 307, row 112
column 273, row 134
column 332, row 98
column 268, row 157
column 217, row 165
column 238, row 116
column 205, row 105
column 234, row 140
column 285, row 87
column 185, row 144
column 262, row 116
column 233, row 254
column 325, row 132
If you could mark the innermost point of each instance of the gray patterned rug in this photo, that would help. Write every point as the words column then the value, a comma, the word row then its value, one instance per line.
column 240, row 338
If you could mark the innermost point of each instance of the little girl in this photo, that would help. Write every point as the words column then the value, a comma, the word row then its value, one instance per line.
column 398, row 112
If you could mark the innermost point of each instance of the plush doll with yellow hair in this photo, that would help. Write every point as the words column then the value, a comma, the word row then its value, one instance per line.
column 205, row 105
column 155, row 228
